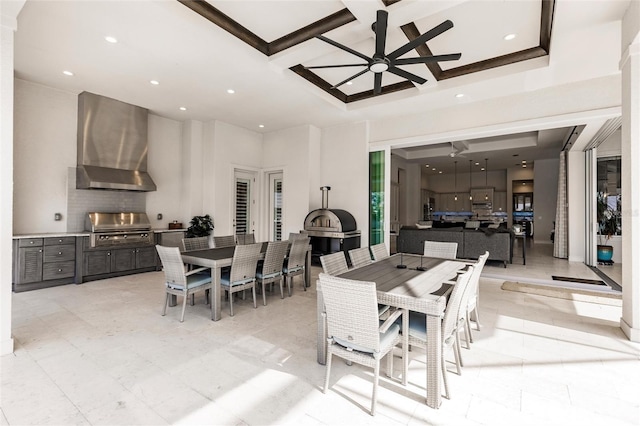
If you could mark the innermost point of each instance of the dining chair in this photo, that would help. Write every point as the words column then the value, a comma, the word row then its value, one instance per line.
column 246, row 238
column 354, row 332
column 177, row 281
column 379, row 252
column 224, row 241
column 269, row 271
column 418, row 327
column 242, row 274
column 196, row 243
column 470, row 300
column 295, row 263
column 334, row 263
column 296, row 235
column 441, row 250
column 360, row 257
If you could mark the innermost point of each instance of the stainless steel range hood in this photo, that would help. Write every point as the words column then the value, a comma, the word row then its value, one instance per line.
column 112, row 145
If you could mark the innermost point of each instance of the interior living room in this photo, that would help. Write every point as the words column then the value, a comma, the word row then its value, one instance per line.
column 250, row 107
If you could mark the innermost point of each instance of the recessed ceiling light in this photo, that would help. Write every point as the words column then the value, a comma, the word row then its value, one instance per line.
column 509, row 37
column 459, row 95
column 111, row 39
column 183, row 108
column 67, row 73
column 434, row 169
column 154, row 82
column 477, row 164
column 482, row 169
column 426, row 165
column 524, row 166
column 261, row 126
column 440, row 172
column 524, row 161
column 231, row 91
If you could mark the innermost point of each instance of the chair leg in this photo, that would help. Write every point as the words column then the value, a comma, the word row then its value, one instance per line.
column 468, row 330
column 289, row 283
column 193, row 299
column 184, row 306
column 166, row 302
column 376, row 376
column 253, row 290
column 264, row 293
column 476, row 316
column 328, row 372
column 444, row 378
column 456, row 354
column 304, row 285
column 230, row 302
column 281, row 289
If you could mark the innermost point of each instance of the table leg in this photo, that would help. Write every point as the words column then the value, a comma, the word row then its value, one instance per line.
column 215, row 294
column 307, row 269
column 322, row 329
column 434, row 354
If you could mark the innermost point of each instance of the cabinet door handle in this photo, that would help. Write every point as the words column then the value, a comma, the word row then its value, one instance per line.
column 108, row 253
column 40, row 251
column 59, row 270
column 59, row 252
column 30, row 242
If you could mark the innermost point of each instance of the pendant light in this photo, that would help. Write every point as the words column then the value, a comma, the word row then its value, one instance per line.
column 470, row 196
column 455, row 180
column 486, row 186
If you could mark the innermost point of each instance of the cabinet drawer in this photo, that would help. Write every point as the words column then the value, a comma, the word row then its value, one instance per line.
column 52, row 271
column 59, row 253
column 30, row 242
column 52, row 241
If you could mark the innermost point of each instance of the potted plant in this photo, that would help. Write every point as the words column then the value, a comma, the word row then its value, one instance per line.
column 607, row 226
column 200, row 226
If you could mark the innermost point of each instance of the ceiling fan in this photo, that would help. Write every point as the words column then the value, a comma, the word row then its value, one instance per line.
column 381, row 62
column 457, row 148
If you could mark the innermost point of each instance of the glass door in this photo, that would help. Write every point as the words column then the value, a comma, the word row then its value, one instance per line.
column 244, row 206
column 275, row 206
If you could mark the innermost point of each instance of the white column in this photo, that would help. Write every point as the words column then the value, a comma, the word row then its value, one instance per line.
column 630, row 67
column 8, row 25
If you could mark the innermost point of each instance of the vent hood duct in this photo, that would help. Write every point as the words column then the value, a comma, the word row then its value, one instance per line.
column 112, row 145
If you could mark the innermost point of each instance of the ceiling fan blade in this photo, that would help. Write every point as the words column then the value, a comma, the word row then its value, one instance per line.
column 336, row 66
column 350, row 78
column 434, row 32
column 381, row 33
column 345, row 48
column 427, row 59
column 377, row 83
column 405, row 74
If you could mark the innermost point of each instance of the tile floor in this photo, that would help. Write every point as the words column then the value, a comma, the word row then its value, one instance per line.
column 100, row 353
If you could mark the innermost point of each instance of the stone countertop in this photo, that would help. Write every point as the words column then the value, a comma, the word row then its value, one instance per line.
column 161, row 230
column 52, row 235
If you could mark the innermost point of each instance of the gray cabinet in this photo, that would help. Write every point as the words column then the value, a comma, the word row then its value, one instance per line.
column 145, row 257
column 43, row 262
column 101, row 263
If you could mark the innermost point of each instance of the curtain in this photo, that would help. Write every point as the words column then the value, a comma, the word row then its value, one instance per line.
column 560, row 248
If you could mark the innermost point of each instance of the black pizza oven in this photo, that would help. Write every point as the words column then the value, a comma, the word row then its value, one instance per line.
column 330, row 230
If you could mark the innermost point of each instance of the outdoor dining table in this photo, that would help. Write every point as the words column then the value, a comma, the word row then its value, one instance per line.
column 412, row 289
column 218, row 258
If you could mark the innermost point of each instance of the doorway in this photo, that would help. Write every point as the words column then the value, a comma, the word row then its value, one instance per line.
column 275, row 192
column 245, row 202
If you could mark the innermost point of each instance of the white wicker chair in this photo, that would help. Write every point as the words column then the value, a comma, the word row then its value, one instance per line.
column 360, row 257
column 224, row 241
column 418, row 323
column 177, row 281
column 442, row 250
column 379, row 252
column 246, row 239
column 242, row 274
column 295, row 263
column 470, row 300
column 334, row 263
column 270, row 270
column 197, row 243
column 354, row 331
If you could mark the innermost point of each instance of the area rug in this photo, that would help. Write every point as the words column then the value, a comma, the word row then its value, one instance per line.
column 580, row 295
column 578, row 280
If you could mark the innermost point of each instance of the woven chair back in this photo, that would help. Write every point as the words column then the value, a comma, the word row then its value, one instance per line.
column 452, row 311
column 352, row 311
column 472, row 288
column 334, row 263
column 246, row 239
column 245, row 262
column 297, row 253
column 274, row 257
column 196, row 243
column 224, row 241
column 379, row 251
column 360, row 257
column 296, row 235
column 172, row 265
column 442, row 250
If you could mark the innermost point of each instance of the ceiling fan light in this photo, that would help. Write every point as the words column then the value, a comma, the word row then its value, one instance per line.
column 379, row 67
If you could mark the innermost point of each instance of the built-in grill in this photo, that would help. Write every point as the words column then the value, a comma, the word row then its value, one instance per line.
column 330, row 230
column 119, row 229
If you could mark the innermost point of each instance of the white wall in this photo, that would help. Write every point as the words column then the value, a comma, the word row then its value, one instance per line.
column 164, row 164
column 291, row 151
column 545, row 196
column 44, row 148
column 413, row 199
column 344, row 163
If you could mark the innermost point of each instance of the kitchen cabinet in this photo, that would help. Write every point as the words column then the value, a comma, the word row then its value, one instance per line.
column 106, row 262
column 43, row 262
